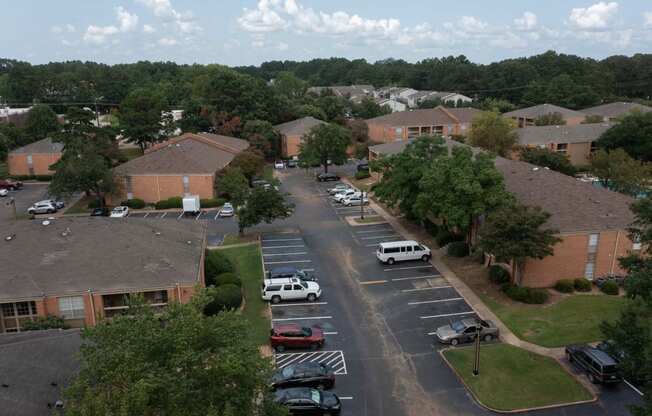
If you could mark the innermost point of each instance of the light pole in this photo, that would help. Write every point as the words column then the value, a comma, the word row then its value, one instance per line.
column 476, row 362
column 97, row 113
column 362, row 205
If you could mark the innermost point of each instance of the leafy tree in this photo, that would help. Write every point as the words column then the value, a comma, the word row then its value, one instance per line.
column 400, row 185
column 632, row 134
column 461, row 187
column 497, row 105
column 368, row 108
column 250, row 163
column 333, row 107
column 262, row 136
column 551, row 119
column 225, row 124
column 548, row 159
column 287, row 84
column 323, row 143
column 620, row 172
column 310, row 110
column 263, row 205
column 514, row 233
column 233, row 184
column 144, row 119
column 41, row 122
column 359, row 131
column 174, row 361
column 493, row 132
column 591, row 119
column 195, row 117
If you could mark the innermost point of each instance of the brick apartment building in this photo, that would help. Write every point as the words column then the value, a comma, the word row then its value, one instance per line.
column 527, row 116
column 292, row 134
column 182, row 165
column 592, row 221
column 34, row 158
column 406, row 125
column 82, row 269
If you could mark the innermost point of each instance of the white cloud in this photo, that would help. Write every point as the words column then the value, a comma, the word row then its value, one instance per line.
column 70, row 28
column 597, row 16
column 262, row 19
column 56, row 29
column 128, row 22
column 282, row 46
column 648, row 19
column 527, row 22
column 149, row 29
column 168, row 42
column 471, row 24
column 184, row 22
column 99, row 34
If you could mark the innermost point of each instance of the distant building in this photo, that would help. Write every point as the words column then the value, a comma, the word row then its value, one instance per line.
column 292, row 134
column 355, row 93
column 394, row 105
column 34, row 158
column 527, row 116
column 614, row 111
column 17, row 116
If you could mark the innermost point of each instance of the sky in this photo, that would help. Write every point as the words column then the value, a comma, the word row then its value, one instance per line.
column 249, row 32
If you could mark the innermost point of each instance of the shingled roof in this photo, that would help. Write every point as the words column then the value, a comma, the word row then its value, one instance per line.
column 422, row 117
column 581, row 133
column 298, row 127
column 615, row 110
column 42, row 146
column 575, row 206
column 537, row 111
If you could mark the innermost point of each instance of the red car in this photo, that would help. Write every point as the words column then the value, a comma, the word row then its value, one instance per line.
column 295, row 336
column 10, row 184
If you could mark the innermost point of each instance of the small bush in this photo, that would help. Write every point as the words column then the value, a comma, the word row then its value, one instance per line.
column 432, row 228
column 40, row 178
column 498, row 274
column 170, row 203
column 363, row 174
column 212, row 202
column 45, row 322
column 215, row 264
column 582, row 285
column 458, row 249
column 135, row 203
column 227, row 279
column 565, row 286
column 94, row 204
column 524, row 294
column 610, row 287
column 226, row 297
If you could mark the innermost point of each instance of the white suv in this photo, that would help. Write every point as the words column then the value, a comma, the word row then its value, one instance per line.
column 339, row 197
column 277, row 290
column 42, row 207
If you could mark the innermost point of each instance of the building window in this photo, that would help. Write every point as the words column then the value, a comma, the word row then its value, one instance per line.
column 593, row 242
column 71, row 307
column 186, row 184
column 562, row 147
column 438, row 130
column 30, row 161
column 399, row 132
column 594, row 147
column 413, row 132
column 636, row 244
column 588, row 271
column 425, row 131
column 14, row 315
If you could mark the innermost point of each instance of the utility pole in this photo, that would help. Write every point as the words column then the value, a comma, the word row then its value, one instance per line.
column 97, row 114
column 362, row 205
column 476, row 362
column 12, row 202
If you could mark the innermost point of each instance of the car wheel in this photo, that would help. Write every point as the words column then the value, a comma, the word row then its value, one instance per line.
column 279, row 348
column 488, row 338
column 425, row 258
column 454, row 342
column 348, row 205
column 390, row 261
column 312, row 297
column 569, row 357
column 49, row 211
column 276, row 299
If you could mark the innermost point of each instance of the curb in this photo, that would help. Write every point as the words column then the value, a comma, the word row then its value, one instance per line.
column 351, row 221
column 528, row 409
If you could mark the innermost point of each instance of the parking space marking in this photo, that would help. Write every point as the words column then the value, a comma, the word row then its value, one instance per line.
column 298, row 246
column 345, row 397
column 433, row 301
column 146, row 214
column 298, row 253
column 283, row 239
column 304, row 318
column 278, row 305
column 373, row 282
column 379, row 236
column 199, row 215
column 180, row 215
column 640, row 393
column 331, row 333
column 164, row 214
column 409, row 268
column 425, row 288
column 288, row 262
column 217, row 215
column 447, row 314
column 432, row 276
column 334, row 359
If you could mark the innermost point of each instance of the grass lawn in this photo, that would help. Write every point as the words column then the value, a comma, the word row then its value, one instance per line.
column 247, row 261
column 131, row 153
column 512, row 378
column 574, row 319
column 81, row 206
column 231, row 239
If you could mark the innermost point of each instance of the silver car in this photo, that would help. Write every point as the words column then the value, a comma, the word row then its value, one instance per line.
column 227, row 210
column 42, row 207
column 466, row 330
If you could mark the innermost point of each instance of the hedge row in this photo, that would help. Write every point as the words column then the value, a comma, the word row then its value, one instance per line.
column 135, row 203
column 498, row 274
column 170, row 203
column 215, row 264
column 524, row 294
column 224, row 286
column 569, row 286
column 225, row 297
column 458, row 249
column 363, row 174
column 212, row 202
column 610, row 288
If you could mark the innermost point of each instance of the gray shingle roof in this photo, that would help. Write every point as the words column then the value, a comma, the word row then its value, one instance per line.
column 42, row 146
column 581, row 133
column 101, row 254
column 543, row 109
column 575, row 206
column 298, row 127
column 423, row 117
column 614, row 110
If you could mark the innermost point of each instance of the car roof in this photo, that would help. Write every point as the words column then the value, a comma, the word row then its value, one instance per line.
column 601, row 356
column 287, row 327
column 281, row 280
column 399, row 243
column 294, row 393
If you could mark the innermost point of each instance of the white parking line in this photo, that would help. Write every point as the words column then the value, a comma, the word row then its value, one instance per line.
column 416, row 277
column 217, row 215
column 297, row 246
column 425, row 288
column 285, row 254
column 305, row 318
column 447, row 314
column 434, row 301
column 199, row 215
column 146, row 214
column 283, row 239
column 408, row 268
column 278, row 305
column 640, row 393
column 373, row 231
column 164, row 214
column 373, row 282
column 346, row 397
column 331, row 333
column 288, row 262
column 180, row 215
column 378, row 236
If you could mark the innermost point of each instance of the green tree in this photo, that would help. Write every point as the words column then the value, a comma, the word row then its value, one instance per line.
column 262, row 136
column 551, row 119
column 620, row 172
column 359, row 131
column 287, row 84
column 368, row 108
column 497, row 105
column 515, row 233
column 41, row 122
column 632, row 134
column 400, row 185
column 333, row 107
column 174, row 361
column 144, row 118
column 323, row 143
column 548, row 159
column 250, row 163
column 493, row 132
column 591, row 119
column 310, row 110
column 233, row 184
column 195, row 118
column 262, row 205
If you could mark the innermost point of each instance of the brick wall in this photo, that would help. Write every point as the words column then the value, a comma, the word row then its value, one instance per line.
column 17, row 163
column 153, row 188
column 290, row 145
column 578, row 153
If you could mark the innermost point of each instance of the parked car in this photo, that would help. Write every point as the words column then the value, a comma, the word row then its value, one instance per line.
column 401, row 251
column 465, row 330
column 355, row 200
column 292, row 163
column 307, row 374
column 306, row 401
column 600, row 281
column 326, row 177
column 58, row 204
column 363, row 166
column 289, row 272
column 287, row 336
column 340, row 196
column 10, row 184
column 119, row 212
column 617, row 353
column 42, row 207
column 599, row 366
column 100, row 212
column 340, row 187
column 276, row 290
column 279, row 165
column 226, row 210
column 4, row 192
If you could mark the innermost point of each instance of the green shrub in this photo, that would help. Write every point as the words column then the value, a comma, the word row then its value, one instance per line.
column 40, row 178
column 212, row 202
column 458, row 249
column 94, row 204
column 362, row 174
column 228, row 278
column 432, row 228
column 610, row 288
column 524, row 294
column 226, row 297
column 215, row 264
column 498, row 274
column 45, row 322
column 582, row 285
column 135, row 203
column 170, row 203
column 565, row 286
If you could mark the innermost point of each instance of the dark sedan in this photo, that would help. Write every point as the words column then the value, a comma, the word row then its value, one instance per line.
column 306, row 401
column 326, row 177
column 100, row 212
column 308, row 374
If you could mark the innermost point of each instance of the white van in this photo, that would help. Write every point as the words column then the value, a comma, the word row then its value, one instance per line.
column 401, row 251
column 277, row 290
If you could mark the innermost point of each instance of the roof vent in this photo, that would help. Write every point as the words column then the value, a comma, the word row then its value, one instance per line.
column 46, row 222
column 157, row 233
column 10, row 237
column 547, row 168
column 189, row 242
column 535, row 169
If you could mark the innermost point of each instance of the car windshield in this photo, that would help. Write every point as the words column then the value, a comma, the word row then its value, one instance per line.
column 458, row 326
column 315, row 396
column 288, row 372
column 304, row 284
column 610, row 369
column 306, row 331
